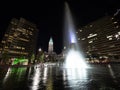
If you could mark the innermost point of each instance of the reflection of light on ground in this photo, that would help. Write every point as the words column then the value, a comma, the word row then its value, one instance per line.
column 7, row 75
column 18, row 72
column 49, row 83
column 36, row 79
column 111, row 71
column 45, row 74
column 29, row 72
column 75, row 68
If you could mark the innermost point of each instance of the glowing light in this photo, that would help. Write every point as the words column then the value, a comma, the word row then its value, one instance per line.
column 50, row 46
column 36, row 79
column 75, row 66
column 111, row 71
column 19, row 60
column 18, row 72
column 91, row 35
column 45, row 74
column 72, row 37
column 51, row 41
column 75, row 60
column 7, row 75
column 40, row 50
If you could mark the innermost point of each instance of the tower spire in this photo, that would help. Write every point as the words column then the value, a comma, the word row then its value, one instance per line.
column 50, row 46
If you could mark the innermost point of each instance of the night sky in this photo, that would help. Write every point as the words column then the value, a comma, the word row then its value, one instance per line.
column 48, row 15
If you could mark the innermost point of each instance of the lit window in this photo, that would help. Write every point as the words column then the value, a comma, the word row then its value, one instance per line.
column 24, row 39
column 30, row 33
column 90, row 41
column 91, row 25
column 9, row 40
column 23, row 48
column 110, row 38
column 18, row 47
column 91, row 35
column 3, row 41
column 117, row 26
column 6, row 46
column 118, row 33
column 112, row 18
column 83, row 38
column 80, row 30
column 6, row 35
column 15, row 35
column 115, row 22
column 112, row 46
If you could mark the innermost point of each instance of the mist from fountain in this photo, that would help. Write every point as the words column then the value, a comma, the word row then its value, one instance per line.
column 74, row 65
column 74, row 58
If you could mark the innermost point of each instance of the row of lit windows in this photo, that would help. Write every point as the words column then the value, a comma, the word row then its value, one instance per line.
column 9, row 40
column 117, row 36
column 23, row 39
column 31, row 28
column 10, row 36
column 24, row 31
column 16, row 52
column 6, row 35
column 93, row 35
column 110, row 37
column 14, row 23
column 109, row 29
column 3, row 41
column 90, row 36
column 6, row 46
column 115, row 50
column 18, row 47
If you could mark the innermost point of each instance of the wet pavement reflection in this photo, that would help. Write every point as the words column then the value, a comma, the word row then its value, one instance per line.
column 53, row 76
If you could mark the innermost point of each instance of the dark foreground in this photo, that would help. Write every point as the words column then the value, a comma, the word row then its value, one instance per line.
column 56, row 77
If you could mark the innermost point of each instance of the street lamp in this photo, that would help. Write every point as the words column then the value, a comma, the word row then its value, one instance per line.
column 40, row 50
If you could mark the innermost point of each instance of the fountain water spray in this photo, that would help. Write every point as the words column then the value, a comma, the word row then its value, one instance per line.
column 74, row 58
column 74, row 66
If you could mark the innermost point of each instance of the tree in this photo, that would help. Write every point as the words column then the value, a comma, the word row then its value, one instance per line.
column 32, row 58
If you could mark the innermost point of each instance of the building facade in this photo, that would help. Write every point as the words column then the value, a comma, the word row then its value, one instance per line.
column 20, row 39
column 101, row 38
column 50, row 46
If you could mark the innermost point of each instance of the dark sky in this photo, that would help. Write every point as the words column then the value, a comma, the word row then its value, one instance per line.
column 48, row 15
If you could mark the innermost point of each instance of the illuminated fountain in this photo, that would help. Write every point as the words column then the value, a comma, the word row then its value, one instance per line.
column 74, row 58
column 74, row 65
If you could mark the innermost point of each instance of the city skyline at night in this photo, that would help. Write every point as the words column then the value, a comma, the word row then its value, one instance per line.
column 49, row 17
column 60, row 45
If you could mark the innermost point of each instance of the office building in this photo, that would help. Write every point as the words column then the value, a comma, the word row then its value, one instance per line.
column 20, row 39
column 101, row 38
